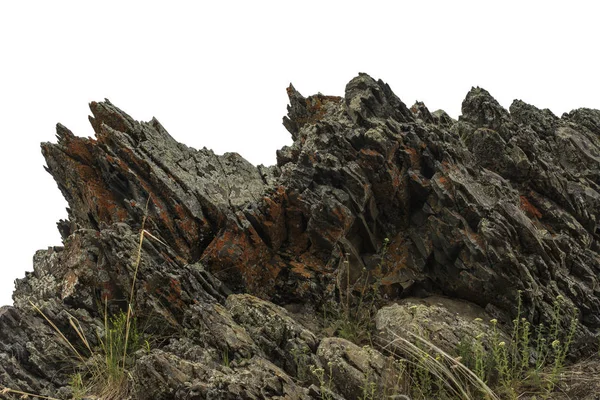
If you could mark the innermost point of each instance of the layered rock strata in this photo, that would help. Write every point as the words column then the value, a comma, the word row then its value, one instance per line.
column 498, row 205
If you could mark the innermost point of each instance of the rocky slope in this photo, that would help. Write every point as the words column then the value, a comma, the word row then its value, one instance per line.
column 371, row 193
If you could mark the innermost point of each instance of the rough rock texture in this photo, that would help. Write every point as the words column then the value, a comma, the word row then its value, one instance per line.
column 444, row 322
column 354, row 369
column 475, row 209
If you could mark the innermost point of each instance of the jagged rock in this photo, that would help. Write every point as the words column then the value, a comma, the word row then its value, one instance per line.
column 367, row 100
column 481, row 109
column 355, row 371
column 162, row 375
column 29, row 353
column 422, row 113
column 476, row 209
column 285, row 341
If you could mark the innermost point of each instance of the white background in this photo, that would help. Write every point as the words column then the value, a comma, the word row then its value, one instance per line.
column 215, row 73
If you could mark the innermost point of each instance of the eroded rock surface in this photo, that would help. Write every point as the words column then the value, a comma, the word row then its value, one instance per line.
column 444, row 322
column 478, row 209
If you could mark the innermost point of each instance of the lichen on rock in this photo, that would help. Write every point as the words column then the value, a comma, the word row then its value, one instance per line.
column 372, row 197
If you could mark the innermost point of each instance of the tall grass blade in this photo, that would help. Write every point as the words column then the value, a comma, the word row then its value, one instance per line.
column 36, row 308
column 137, row 266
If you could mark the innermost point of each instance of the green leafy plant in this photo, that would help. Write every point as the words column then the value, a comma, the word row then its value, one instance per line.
column 433, row 373
column 78, row 388
column 369, row 388
column 301, row 361
column 510, row 365
column 325, row 380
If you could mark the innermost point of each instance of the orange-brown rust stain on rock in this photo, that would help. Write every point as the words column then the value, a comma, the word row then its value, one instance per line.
column 414, row 157
column 475, row 238
column 169, row 290
column 396, row 178
column 395, row 257
column 301, row 270
column 255, row 238
column 336, row 230
column 173, row 295
column 80, row 148
column 529, row 209
column 315, row 105
column 94, row 192
column 444, row 182
column 83, row 158
column 420, row 179
column 69, row 281
column 371, row 159
column 389, row 181
column 369, row 152
column 388, row 272
column 273, row 206
column 273, row 217
column 346, row 219
column 182, row 227
column 312, row 263
column 446, row 166
column 187, row 223
column 245, row 255
column 131, row 160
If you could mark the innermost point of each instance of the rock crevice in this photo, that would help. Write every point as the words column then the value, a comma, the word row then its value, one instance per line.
column 497, row 203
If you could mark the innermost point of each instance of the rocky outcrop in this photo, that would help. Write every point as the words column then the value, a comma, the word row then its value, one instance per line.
column 370, row 195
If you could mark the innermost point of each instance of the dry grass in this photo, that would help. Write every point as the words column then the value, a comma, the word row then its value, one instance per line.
column 457, row 380
column 104, row 373
column 23, row 395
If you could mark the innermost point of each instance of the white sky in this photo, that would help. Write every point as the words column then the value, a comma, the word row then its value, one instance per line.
column 215, row 74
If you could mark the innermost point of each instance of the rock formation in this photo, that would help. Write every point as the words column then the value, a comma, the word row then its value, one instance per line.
column 498, row 205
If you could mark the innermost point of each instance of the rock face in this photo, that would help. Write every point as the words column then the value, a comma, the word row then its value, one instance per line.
column 370, row 194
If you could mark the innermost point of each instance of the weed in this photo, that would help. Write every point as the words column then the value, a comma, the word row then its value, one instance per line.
column 480, row 358
column 398, row 371
column 540, row 348
column 325, row 382
column 103, row 371
column 560, row 353
column 136, row 269
column 369, row 388
column 352, row 317
column 300, row 360
column 23, row 395
column 510, row 363
column 78, row 389
column 433, row 373
column 121, row 340
column 225, row 357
